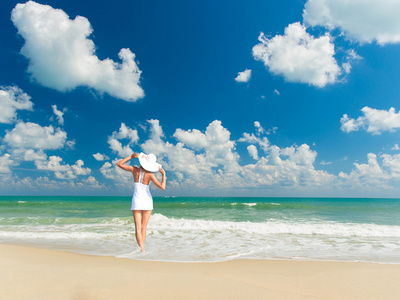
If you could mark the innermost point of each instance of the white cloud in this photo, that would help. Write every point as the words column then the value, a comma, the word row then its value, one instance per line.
column 91, row 182
column 346, row 67
column 215, row 150
column 53, row 164
column 350, row 57
column 395, row 147
column 298, row 56
column 5, row 164
column 111, row 171
column 272, row 130
column 213, row 162
column 258, row 126
column 154, row 144
column 364, row 21
column 62, row 171
column 62, row 57
column 43, row 183
column 374, row 121
column 212, row 155
column 349, row 125
column 126, row 133
column 59, row 114
column 207, row 162
column 21, row 154
column 243, row 76
column 291, row 166
column 219, row 147
column 392, row 162
column 106, row 170
column 123, row 133
column 251, row 138
column 100, row 157
column 371, row 175
column 116, row 146
column 33, row 136
column 192, row 138
column 78, row 170
column 253, row 151
column 302, row 155
column 277, row 92
column 12, row 99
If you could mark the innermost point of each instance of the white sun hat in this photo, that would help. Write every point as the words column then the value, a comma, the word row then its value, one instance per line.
column 149, row 162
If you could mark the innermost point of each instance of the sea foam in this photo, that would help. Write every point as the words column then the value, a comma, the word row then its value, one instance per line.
column 182, row 239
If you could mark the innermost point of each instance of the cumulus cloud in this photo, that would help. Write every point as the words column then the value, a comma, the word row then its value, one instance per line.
column 91, row 182
column 350, row 57
column 21, row 154
column 207, row 160
column 253, row 139
column 100, row 157
column 374, row 120
column 43, row 183
column 192, row 138
column 59, row 114
column 33, row 136
column 62, row 57
column 64, row 171
column 392, row 163
column 219, row 149
column 381, row 171
column 5, row 164
column 258, row 126
column 299, row 57
column 253, row 152
column 124, row 133
column 243, row 76
column 364, row 21
column 111, row 171
column 291, row 166
column 12, row 99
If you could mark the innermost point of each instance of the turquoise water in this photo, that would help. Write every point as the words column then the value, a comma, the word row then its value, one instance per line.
column 210, row 229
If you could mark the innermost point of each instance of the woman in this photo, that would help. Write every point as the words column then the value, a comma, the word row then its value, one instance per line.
column 142, row 201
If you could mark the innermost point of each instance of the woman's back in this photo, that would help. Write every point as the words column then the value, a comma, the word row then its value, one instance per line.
column 141, row 199
column 141, row 176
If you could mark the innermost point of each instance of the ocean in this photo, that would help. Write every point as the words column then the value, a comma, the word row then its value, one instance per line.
column 196, row 229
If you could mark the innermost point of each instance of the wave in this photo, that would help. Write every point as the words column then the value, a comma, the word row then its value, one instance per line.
column 160, row 222
column 184, row 239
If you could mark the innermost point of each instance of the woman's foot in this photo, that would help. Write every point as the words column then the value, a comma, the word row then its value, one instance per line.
column 142, row 248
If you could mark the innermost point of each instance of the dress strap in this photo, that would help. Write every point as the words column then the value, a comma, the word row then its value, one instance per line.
column 141, row 176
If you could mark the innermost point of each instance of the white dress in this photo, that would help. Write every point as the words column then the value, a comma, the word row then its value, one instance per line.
column 141, row 199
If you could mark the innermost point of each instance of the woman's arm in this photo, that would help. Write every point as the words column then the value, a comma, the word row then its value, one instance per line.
column 122, row 162
column 163, row 181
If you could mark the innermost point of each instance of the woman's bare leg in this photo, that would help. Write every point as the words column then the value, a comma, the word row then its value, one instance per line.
column 145, row 220
column 137, row 217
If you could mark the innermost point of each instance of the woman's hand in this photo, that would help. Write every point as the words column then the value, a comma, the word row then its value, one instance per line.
column 161, row 170
column 134, row 155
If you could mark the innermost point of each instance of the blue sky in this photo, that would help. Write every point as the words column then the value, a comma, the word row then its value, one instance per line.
column 267, row 98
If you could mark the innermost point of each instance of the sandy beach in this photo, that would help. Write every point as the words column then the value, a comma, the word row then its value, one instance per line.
column 32, row 273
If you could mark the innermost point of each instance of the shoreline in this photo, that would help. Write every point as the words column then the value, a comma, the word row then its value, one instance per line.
column 38, row 273
column 125, row 256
